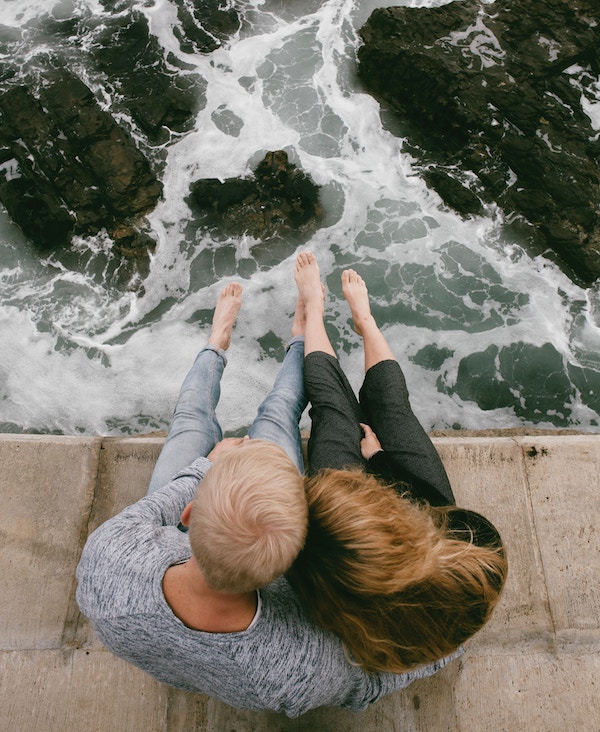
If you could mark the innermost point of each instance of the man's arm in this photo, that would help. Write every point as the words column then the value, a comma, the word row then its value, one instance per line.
column 166, row 504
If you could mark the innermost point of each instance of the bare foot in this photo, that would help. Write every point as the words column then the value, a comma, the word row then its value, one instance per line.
column 228, row 306
column 308, row 280
column 356, row 293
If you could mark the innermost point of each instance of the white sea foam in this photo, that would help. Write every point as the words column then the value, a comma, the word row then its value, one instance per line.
column 80, row 356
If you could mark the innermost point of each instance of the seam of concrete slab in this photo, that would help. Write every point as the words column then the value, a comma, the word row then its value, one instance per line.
column 539, row 558
column 73, row 616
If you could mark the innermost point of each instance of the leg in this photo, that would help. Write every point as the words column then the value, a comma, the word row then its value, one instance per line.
column 279, row 414
column 310, row 289
column 374, row 343
column 194, row 430
column 335, row 415
column 384, row 397
column 335, row 433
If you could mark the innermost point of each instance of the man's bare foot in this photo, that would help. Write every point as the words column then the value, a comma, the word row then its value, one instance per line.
column 356, row 293
column 228, row 306
column 308, row 280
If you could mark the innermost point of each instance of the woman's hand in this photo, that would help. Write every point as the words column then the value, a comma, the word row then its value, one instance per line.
column 226, row 444
column 369, row 444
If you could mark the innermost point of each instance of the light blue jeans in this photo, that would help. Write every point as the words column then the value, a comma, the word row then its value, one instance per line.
column 195, row 430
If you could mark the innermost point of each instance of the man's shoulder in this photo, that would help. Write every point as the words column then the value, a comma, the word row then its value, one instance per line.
column 121, row 566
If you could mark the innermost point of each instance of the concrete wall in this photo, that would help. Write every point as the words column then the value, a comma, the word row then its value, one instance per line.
column 535, row 666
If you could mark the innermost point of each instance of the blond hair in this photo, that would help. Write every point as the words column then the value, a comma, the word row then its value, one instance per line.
column 249, row 517
column 391, row 577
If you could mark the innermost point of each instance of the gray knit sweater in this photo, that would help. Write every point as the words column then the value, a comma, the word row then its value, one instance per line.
column 282, row 662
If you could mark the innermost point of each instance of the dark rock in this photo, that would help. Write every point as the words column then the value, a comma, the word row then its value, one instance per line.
column 160, row 93
column 454, row 193
column 480, row 87
column 204, row 25
column 120, row 170
column 157, row 96
column 133, row 246
column 211, row 193
column 9, row 37
column 34, row 206
column 277, row 201
column 68, row 167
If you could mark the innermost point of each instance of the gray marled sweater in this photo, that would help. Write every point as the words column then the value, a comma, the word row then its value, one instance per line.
column 282, row 662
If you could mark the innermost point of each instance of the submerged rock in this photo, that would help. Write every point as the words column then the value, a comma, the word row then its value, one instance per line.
column 277, row 201
column 482, row 89
column 527, row 379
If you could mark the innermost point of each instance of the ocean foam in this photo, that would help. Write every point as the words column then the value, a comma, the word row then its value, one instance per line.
column 78, row 356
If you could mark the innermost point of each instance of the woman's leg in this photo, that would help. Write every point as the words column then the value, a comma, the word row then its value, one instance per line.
column 194, row 429
column 384, row 397
column 310, row 290
column 375, row 346
column 279, row 414
column 335, row 415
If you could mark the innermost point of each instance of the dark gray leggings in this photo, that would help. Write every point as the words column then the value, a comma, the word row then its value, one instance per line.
column 409, row 455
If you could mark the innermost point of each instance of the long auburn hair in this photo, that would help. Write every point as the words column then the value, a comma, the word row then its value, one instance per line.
column 392, row 577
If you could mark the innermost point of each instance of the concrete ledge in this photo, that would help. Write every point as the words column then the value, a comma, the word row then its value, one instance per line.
column 534, row 666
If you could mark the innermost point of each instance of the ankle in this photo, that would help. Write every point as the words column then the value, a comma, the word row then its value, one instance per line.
column 365, row 320
column 219, row 340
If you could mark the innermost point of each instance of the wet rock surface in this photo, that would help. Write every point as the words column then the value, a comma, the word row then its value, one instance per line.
column 157, row 93
column 202, row 25
column 205, row 25
column 279, row 200
column 68, row 167
column 489, row 97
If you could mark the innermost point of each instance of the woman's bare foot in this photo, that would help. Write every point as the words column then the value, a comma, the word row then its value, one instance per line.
column 356, row 293
column 228, row 306
column 308, row 280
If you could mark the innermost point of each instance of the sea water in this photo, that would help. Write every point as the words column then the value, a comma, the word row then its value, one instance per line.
column 468, row 310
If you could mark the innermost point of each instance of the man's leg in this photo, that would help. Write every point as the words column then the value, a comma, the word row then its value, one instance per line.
column 279, row 414
column 194, row 430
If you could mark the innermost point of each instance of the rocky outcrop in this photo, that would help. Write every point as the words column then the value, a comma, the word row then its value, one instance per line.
column 204, row 26
column 201, row 27
column 492, row 115
column 278, row 201
column 159, row 96
column 68, row 167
